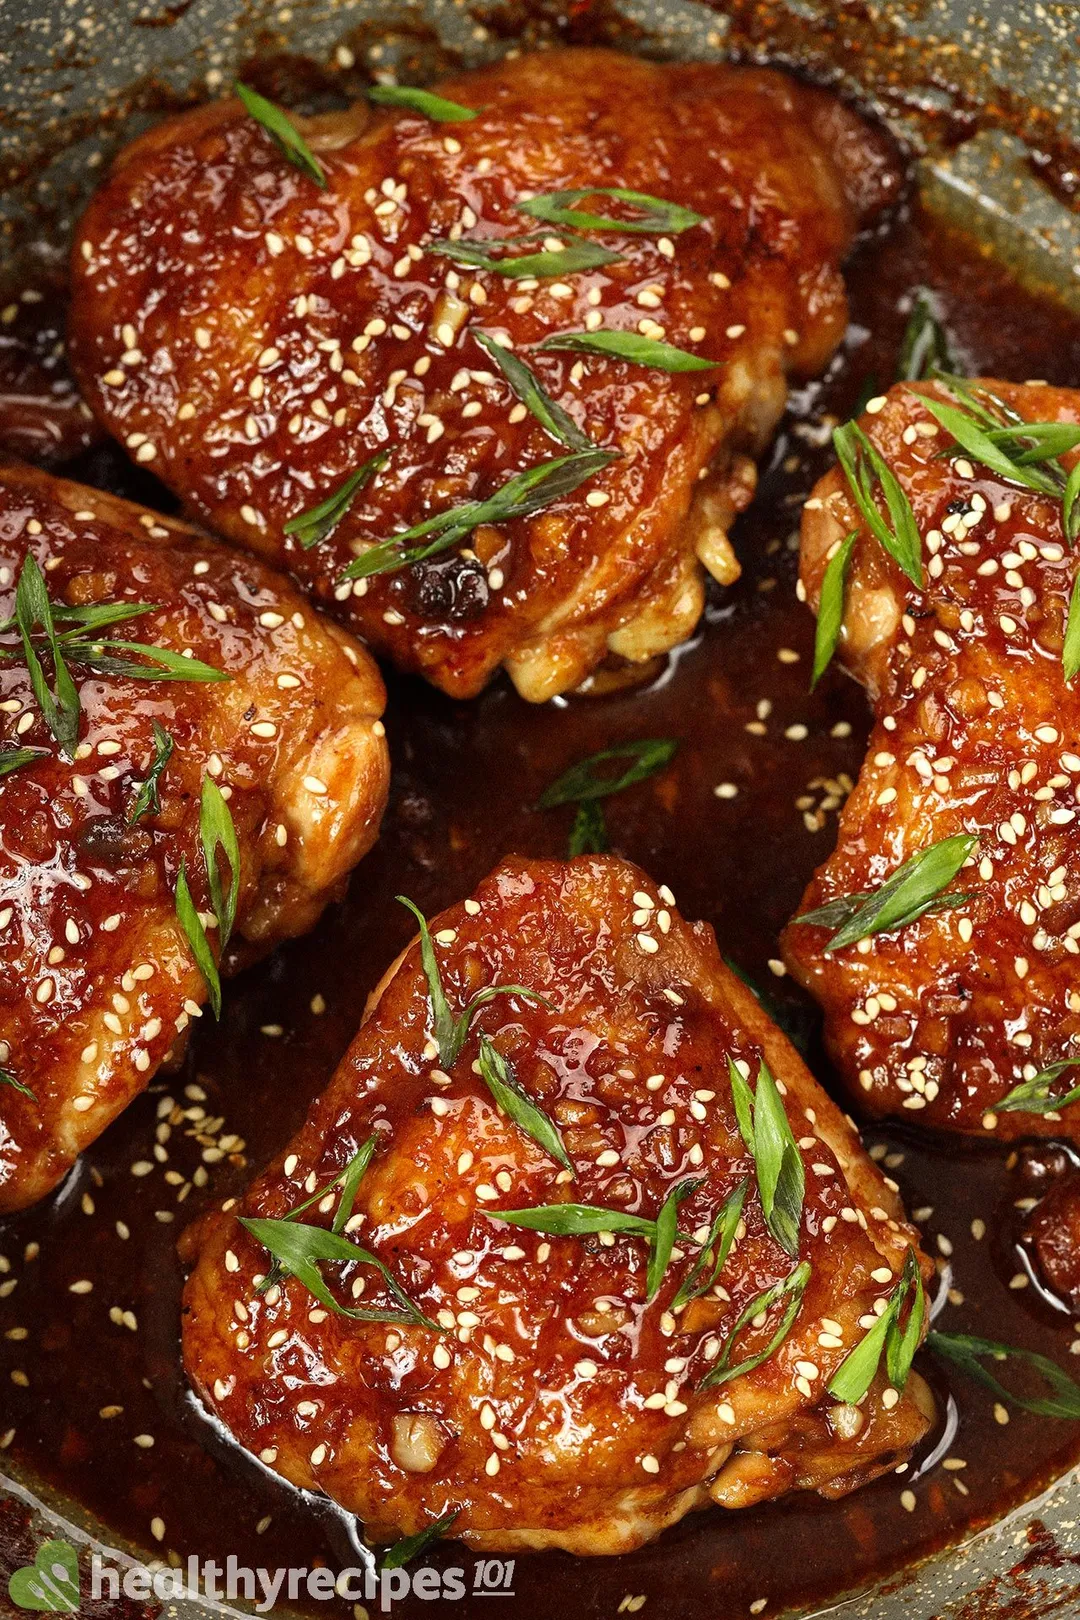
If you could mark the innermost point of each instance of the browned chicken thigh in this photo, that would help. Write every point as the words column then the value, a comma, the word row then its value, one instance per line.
column 101, row 783
column 552, row 1384
column 966, row 1017
column 254, row 339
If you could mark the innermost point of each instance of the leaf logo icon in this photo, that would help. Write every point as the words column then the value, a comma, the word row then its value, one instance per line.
column 51, row 1583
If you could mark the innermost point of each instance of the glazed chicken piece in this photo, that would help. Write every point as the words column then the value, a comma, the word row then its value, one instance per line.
column 557, row 1408
column 254, row 339
column 976, row 732
column 98, row 983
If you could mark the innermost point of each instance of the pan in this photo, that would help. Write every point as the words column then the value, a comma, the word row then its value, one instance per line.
column 983, row 103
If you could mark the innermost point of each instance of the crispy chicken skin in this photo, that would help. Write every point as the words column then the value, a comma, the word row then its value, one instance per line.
column 254, row 339
column 96, row 978
column 558, row 1409
column 975, row 731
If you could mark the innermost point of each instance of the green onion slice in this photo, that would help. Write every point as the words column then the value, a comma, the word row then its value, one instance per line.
column 914, row 889
column 437, row 108
column 631, row 347
column 283, row 132
column 655, row 215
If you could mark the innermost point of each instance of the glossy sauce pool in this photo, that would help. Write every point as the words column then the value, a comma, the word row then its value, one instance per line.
column 465, row 778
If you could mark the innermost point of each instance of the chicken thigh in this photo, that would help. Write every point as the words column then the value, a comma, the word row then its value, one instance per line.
column 255, row 339
column 218, row 673
column 554, row 1384
column 966, row 1017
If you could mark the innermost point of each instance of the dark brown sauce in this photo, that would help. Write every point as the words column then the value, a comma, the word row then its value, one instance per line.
column 42, row 416
column 465, row 778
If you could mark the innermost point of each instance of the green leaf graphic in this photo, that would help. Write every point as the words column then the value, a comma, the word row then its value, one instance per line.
column 51, row 1583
